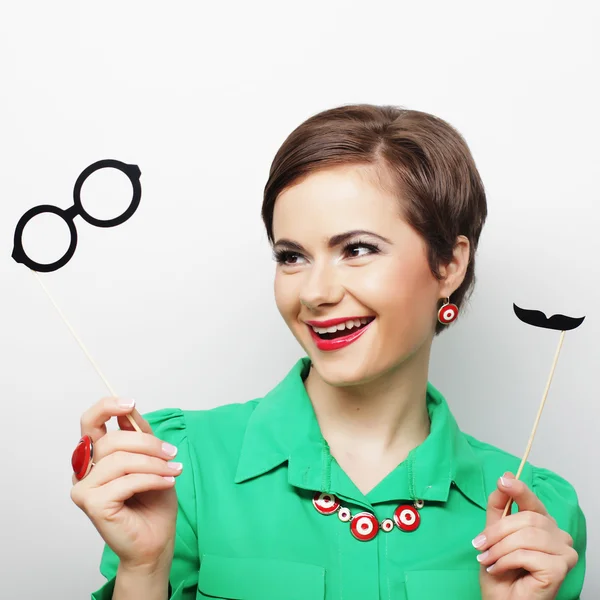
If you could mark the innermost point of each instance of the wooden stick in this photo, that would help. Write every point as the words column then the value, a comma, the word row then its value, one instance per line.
column 112, row 392
column 537, row 420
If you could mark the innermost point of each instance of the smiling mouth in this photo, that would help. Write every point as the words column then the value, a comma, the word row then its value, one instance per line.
column 343, row 329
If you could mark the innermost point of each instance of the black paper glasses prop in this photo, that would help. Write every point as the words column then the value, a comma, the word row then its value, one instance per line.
column 558, row 323
column 133, row 173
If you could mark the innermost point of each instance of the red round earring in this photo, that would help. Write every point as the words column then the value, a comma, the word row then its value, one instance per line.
column 447, row 313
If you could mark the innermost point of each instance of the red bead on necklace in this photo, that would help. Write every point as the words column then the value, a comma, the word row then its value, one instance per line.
column 364, row 526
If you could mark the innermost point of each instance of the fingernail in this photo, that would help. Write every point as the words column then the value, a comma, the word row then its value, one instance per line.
column 168, row 449
column 176, row 466
column 126, row 403
column 483, row 555
column 507, row 483
column 479, row 541
column 489, row 569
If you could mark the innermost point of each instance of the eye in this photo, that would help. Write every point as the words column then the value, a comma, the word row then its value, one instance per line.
column 359, row 249
column 287, row 257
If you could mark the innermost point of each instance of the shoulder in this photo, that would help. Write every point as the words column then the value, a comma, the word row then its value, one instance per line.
column 496, row 461
column 219, row 427
column 227, row 419
column 557, row 493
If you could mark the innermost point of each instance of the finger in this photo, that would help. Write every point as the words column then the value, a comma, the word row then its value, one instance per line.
column 502, row 528
column 509, row 504
column 93, row 421
column 132, row 441
column 125, row 487
column 567, row 537
column 495, row 507
column 548, row 569
column 529, row 538
column 118, row 464
column 521, row 494
column 125, row 424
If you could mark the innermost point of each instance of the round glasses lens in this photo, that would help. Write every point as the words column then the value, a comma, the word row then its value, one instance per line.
column 106, row 194
column 46, row 238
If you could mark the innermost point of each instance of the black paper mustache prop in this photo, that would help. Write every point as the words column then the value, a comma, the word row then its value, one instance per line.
column 19, row 255
column 538, row 319
column 559, row 323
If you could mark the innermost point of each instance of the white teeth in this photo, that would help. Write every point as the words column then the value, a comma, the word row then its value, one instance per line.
column 347, row 325
column 319, row 329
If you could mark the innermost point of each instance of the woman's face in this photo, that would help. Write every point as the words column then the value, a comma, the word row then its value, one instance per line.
column 377, row 282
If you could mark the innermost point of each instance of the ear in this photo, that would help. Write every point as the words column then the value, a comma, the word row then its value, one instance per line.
column 453, row 273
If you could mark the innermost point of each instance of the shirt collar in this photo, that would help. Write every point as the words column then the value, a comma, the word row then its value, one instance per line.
column 283, row 428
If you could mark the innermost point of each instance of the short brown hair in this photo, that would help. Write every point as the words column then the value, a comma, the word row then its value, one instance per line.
column 428, row 160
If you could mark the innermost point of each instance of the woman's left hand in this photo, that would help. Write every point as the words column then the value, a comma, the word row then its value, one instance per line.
column 525, row 555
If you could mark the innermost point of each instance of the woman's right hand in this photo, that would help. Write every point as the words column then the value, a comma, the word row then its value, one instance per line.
column 126, row 495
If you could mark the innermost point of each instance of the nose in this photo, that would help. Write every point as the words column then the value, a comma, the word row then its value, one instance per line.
column 321, row 287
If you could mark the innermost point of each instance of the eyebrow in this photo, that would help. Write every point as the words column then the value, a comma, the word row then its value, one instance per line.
column 333, row 241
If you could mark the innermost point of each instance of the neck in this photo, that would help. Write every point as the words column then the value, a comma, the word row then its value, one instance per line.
column 385, row 416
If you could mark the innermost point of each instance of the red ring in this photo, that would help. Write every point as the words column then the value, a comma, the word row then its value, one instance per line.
column 325, row 510
column 358, row 531
column 81, row 461
column 402, row 524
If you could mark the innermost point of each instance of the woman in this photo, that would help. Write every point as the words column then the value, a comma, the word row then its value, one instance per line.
column 350, row 479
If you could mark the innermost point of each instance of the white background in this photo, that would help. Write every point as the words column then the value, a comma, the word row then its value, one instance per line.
column 176, row 305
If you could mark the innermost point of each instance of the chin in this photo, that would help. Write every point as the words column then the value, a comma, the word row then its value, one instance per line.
column 343, row 368
column 346, row 368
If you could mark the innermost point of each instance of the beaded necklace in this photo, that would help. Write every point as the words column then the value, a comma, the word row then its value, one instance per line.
column 364, row 526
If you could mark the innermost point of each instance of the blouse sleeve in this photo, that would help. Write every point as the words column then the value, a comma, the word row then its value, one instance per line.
column 169, row 425
column 560, row 499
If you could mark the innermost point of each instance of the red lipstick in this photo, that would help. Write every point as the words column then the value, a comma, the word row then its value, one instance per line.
column 339, row 342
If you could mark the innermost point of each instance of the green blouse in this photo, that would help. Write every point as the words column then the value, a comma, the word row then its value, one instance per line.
column 248, row 529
